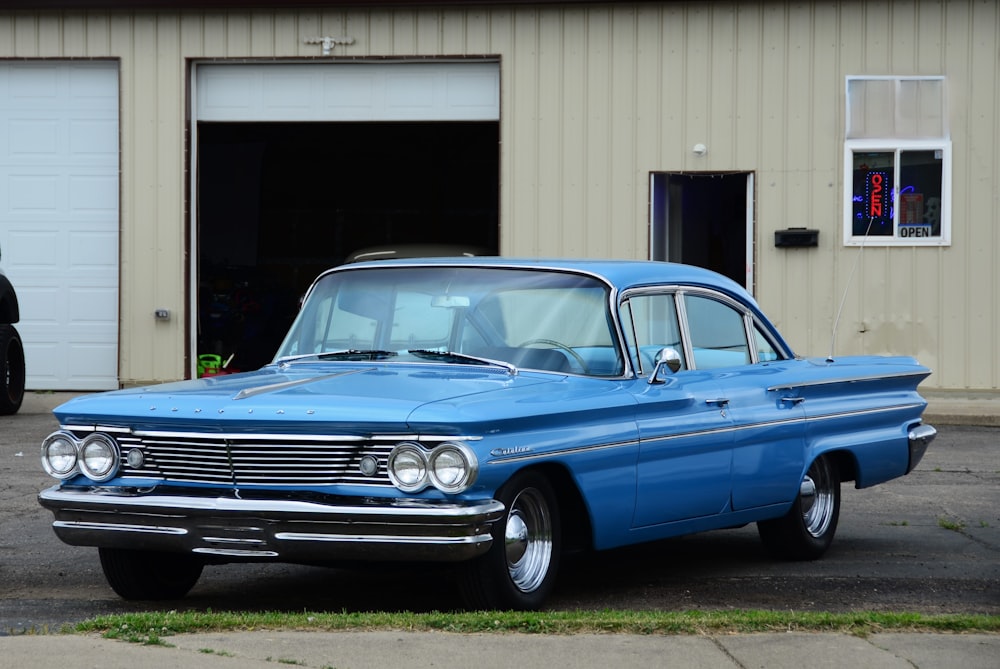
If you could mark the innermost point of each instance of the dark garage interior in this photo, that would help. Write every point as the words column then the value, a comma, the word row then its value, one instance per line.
column 280, row 202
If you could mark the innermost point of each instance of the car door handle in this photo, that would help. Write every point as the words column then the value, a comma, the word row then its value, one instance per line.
column 793, row 400
column 720, row 401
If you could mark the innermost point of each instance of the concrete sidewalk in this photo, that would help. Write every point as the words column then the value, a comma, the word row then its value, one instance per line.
column 390, row 649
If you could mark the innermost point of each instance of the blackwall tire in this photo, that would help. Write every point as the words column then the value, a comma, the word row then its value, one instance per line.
column 148, row 575
column 12, row 370
column 807, row 530
column 519, row 571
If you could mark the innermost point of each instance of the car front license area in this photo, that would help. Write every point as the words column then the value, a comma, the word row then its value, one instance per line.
column 269, row 525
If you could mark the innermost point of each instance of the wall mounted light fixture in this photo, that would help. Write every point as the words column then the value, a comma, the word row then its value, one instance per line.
column 329, row 42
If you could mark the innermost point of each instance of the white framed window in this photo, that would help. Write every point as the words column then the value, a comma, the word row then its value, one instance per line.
column 897, row 162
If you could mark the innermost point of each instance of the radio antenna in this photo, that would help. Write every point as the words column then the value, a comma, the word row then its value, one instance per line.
column 843, row 299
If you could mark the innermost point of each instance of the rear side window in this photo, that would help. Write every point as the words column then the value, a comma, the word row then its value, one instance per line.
column 717, row 331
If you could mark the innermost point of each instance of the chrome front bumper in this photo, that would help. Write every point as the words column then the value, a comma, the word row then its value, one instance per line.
column 247, row 527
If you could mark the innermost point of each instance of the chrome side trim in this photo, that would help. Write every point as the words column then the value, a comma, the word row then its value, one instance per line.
column 864, row 412
column 846, row 379
column 700, row 433
column 567, row 451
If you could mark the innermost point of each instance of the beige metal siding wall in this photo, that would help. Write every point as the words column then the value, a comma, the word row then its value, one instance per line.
column 594, row 98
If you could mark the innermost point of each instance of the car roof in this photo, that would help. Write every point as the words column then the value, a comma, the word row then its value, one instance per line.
column 623, row 274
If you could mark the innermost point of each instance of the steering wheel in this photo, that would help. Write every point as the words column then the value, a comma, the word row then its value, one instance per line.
column 562, row 347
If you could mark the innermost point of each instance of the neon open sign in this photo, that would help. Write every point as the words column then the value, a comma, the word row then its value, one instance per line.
column 878, row 197
column 876, row 193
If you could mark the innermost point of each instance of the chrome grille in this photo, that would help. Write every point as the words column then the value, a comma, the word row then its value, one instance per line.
column 255, row 459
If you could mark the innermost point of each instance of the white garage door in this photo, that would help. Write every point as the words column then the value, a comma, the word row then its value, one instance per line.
column 417, row 91
column 59, row 217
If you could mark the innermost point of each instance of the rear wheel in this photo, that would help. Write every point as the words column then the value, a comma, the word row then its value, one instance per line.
column 520, row 568
column 149, row 575
column 11, row 370
column 807, row 530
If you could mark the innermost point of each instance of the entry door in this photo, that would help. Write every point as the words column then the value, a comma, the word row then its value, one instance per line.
column 59, row 217
column 704, row 219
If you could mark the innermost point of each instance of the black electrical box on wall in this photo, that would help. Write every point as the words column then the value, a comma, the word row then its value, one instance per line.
column 796, row 237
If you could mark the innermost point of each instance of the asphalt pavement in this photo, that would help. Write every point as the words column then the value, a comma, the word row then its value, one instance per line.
column 389, row 649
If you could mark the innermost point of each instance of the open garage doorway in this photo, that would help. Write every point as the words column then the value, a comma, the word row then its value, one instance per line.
column 280, row 202
column 704, row 219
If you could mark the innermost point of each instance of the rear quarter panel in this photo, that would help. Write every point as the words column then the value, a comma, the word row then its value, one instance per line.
column 863, row 406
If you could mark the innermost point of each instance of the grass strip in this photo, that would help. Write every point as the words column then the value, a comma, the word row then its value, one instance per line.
column 150, row 627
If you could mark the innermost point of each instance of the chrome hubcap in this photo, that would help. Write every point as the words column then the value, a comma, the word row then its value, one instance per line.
column 817, row 498
column 528, row 540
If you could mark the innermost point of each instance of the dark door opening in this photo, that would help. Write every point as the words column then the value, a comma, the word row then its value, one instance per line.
column 278, row 203
column 702, row 219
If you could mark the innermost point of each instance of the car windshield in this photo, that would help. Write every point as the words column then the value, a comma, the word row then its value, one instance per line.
column 531, row 319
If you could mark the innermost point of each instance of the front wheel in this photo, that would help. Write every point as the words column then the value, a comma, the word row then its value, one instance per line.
column 520, row 568
column 806, row 531
column 149, row 575
column 11, row 370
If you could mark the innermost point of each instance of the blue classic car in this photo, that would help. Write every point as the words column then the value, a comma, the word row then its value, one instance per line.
column 487, row 412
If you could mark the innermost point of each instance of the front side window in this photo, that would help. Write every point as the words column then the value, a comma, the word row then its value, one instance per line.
column 650, row 326
column 718, row 333
column 897, row 161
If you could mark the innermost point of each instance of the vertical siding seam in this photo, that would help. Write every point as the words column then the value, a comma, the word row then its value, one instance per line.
column 969, row 348
column 585, row 128
column 559, row 179
column 542, row 232
column 995, row 160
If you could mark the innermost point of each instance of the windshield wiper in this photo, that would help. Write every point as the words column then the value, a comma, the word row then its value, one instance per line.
column 461, row 358
column 345, row 354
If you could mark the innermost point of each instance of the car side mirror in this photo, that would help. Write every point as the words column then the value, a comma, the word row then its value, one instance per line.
column 666, row 358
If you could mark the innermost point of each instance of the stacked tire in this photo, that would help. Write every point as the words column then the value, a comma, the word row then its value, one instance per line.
column 11, row 370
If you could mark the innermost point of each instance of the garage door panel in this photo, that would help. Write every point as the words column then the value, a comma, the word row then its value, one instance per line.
column 92, row 307
column 27, row 251
column 42, row 308
column 94, row 194
column 425, row 91
column 47, row 361
column 350, row 94
column 91, row 253
column 465, row 91
column 31, row 193
column 59, row 214
column 30, row 137
column 88, row 363
column 93, row 138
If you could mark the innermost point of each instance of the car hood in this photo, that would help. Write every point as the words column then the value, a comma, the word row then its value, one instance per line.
column 360, row 398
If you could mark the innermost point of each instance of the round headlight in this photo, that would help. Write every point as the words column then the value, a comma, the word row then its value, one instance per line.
column 59, row 455
column 453, row 467
column 408, row 467
column 99, row 457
